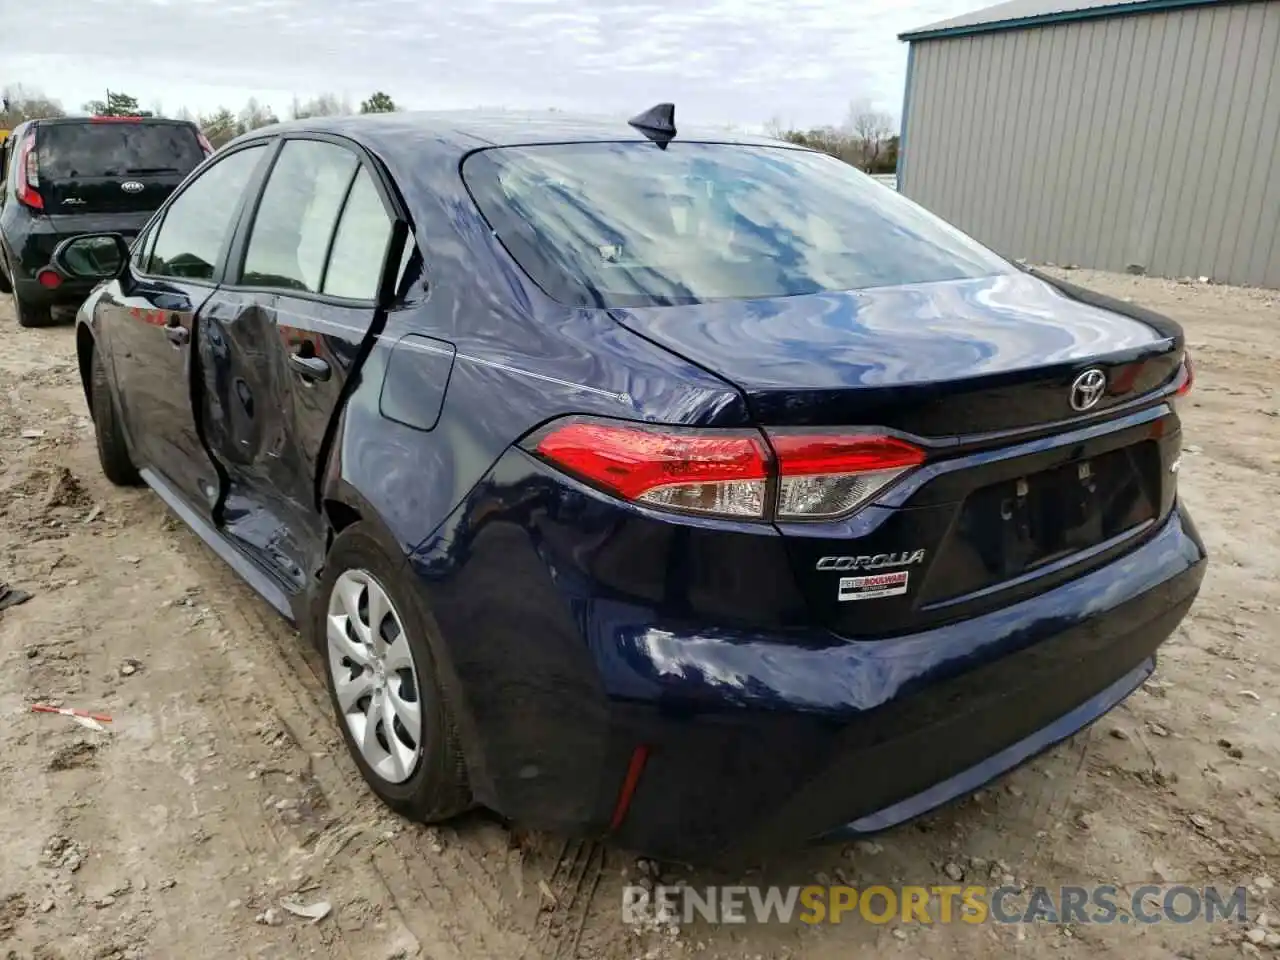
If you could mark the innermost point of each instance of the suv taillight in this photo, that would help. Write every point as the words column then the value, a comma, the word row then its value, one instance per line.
column 27, row 181
column 205, row 145
column 1186, row 376
column 730, row 473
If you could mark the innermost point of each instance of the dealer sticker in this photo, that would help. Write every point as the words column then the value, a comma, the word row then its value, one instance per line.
column 873, row 587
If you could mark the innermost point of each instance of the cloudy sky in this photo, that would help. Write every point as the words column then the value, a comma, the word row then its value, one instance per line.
column 733, row 61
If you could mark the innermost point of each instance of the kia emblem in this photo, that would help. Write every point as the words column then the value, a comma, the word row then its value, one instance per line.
column 131, row 186
column 1087, row 389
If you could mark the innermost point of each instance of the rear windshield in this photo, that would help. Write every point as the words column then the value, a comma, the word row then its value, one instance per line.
column 118, row 149
column 629, row 224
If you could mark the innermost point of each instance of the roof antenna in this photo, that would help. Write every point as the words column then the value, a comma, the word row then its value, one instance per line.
column 658, row 123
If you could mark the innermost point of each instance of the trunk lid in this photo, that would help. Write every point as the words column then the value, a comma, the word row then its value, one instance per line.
column 1020, row 491
column 118, row 166
column 938, row 360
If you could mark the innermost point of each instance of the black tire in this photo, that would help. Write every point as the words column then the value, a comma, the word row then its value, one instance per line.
column 5, row 285
column 437, row 789
column 30, row 315
column 117, row 465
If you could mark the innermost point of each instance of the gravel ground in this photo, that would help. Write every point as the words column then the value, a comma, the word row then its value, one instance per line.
column 222, row 789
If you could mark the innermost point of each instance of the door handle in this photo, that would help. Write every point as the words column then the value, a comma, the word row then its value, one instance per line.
column 178, row 334
column 309, row 367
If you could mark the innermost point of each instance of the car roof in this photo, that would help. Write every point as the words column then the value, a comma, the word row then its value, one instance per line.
column 463, row 131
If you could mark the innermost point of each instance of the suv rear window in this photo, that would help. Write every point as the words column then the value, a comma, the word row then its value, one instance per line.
column 629, row 224
column 116, row 149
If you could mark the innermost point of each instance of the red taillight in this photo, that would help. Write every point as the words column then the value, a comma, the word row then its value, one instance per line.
column 27, row 180
column 728, row 472
column 832, row 475
column 1187, row 375
column 205, row 145
column 715, row 472
column 48, row 278
column 805, row 455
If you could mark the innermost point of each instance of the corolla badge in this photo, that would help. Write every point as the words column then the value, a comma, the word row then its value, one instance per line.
column 1086, row 389
column 131, row 186
column 877, row 561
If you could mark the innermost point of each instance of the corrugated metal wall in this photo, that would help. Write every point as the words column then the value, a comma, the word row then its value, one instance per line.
column 1149, row 139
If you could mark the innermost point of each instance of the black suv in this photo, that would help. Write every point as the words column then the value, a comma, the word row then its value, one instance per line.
column 79, row 175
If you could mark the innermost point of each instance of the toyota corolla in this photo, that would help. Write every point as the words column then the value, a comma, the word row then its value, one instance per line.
column 687, row 489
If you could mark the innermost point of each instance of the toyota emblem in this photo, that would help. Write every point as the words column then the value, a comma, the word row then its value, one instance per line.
column 131, row 186
column 1087, row 389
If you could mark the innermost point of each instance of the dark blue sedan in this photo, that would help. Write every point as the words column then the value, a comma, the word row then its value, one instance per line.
column 688, row 489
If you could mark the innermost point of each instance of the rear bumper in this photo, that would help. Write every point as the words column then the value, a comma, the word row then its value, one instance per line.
column 969, row 779
column 758, row 741
column 907, row 724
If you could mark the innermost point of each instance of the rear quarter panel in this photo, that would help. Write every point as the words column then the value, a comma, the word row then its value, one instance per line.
column 521, row 359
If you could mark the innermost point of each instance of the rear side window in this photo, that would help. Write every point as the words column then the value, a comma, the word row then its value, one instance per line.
column 360, row 245
column 629, row 224
column 321, row 226
column 197, row 225
column 78, row 151
column 297, row 216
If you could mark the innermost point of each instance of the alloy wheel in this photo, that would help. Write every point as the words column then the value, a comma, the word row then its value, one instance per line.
column 374, row 676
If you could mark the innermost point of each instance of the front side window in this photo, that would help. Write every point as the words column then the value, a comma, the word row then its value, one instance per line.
column 297, row 216
column 629, row 224
column 197, row 225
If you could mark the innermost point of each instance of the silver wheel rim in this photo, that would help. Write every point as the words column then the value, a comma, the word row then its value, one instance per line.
column 374, row 676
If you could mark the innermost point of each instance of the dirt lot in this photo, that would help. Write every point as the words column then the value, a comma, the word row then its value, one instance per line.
column 222, row 787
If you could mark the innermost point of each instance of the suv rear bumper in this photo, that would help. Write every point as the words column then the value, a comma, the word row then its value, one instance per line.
column 67, row 293
column 748, row 741
column 30, row 240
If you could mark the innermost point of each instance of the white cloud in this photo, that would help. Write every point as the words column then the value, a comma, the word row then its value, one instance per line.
column 721, row 61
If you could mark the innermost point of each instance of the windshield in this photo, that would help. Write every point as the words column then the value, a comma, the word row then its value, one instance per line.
column 116, row 149
column 629, row 224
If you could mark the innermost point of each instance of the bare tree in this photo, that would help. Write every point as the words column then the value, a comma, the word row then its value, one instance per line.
column 21, row 103
column 255, row 115
column 775, row 128
column 870, row 130
column 325, row 105
column 834, row 141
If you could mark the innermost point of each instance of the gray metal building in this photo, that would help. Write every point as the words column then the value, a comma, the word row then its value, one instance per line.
column 1104, row 133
